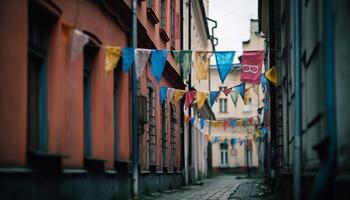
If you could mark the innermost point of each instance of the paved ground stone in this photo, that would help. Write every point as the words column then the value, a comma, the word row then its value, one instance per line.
column 255, row 190
column 217, row 188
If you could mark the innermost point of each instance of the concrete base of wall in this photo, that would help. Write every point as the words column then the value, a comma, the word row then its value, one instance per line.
column 82, row 185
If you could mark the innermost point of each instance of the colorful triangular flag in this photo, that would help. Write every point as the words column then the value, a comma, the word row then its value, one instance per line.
column 227, row 91
column 240, row 88
column 163, row 94
column 224, row 62
column 213, row 96
column 141, row 59
column 178, row 95
column 201, row 97
column 190, row 96
column 271, row 75
column 128, row 58
column 234, row 97
column 112, row 57
column 184, row 58
column 158, row 60
column 201, row 65
column 79, row 40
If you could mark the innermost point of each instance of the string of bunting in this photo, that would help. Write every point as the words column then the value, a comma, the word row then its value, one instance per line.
column 257, row 136
column 251, row 62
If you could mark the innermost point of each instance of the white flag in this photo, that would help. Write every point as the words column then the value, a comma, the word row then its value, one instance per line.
column 141, row 58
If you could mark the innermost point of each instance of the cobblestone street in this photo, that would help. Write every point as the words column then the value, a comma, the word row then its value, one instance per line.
column 217, row 188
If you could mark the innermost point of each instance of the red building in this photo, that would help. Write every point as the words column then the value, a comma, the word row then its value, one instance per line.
column 65, row 127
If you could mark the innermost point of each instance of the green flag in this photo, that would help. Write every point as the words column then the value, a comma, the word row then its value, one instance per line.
column 234, row 96
column 184, row 58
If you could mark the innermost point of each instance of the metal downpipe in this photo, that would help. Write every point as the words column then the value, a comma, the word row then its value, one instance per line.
column 297, row 88
column 135, row 128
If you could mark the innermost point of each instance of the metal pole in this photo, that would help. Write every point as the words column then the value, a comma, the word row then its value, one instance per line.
column 135, row 130
column 297, row 88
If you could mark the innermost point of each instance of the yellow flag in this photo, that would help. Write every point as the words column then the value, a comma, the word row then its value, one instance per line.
column 201, row 64
column 239, row 122
column 218, row 124
column 271, row 75
column 178, row 95
column 246, row 96
column 112, row 57
column 201, row 97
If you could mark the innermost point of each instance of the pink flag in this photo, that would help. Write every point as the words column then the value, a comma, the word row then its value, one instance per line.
column 227, row 91
column 252, row 62
column 226, row 124
column 189, row 98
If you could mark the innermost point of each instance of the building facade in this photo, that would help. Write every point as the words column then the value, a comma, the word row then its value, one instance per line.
column 196, row 37
column 226, row 156
column 307, row 42
column 66, row 126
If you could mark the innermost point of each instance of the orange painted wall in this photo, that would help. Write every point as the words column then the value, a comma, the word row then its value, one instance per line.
column 65, row 85
column 13, row 82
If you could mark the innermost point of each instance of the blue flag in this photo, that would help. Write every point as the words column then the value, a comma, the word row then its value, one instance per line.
column 224, row 62
column 192, row 120
column 233, row 123
column 162, row 94
column 263, row 132
column 264, row 82
column 128, row 58
column 158, row 59
column 241, row 89
column 213, row 95
column 202, row 123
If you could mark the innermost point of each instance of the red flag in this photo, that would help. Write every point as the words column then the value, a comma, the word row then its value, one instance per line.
column 189, row 98
column 226, row 124
column 252, row 62
column 227, row 91
column 251, row 120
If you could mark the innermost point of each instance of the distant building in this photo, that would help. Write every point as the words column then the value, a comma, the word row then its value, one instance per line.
column 228, row 157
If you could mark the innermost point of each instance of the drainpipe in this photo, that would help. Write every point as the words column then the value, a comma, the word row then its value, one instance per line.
column 297, row 88
column 327, row 149
column 135, row 130
column 214, row 44
column 189, row 87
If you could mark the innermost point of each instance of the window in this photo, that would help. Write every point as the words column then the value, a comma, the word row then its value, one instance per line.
column 40, row 26
column 249, row 152
column 224, row 154
column 162, row 14
column 248, row 107
column 90, row 52
column 151, row 124
column 173, row 136
column 164, row 134
column 172, row 25
column 223, row 105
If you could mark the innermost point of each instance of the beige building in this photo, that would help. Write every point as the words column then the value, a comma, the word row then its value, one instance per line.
column 196, row 38
column 226, row 155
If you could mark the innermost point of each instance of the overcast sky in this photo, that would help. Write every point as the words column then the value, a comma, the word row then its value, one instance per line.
column 233, row 17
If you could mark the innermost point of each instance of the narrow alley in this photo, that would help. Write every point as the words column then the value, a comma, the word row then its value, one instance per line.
column 223, row 187
column 174, row 99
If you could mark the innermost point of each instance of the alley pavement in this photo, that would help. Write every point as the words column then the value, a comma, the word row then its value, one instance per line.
column 224, row 187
